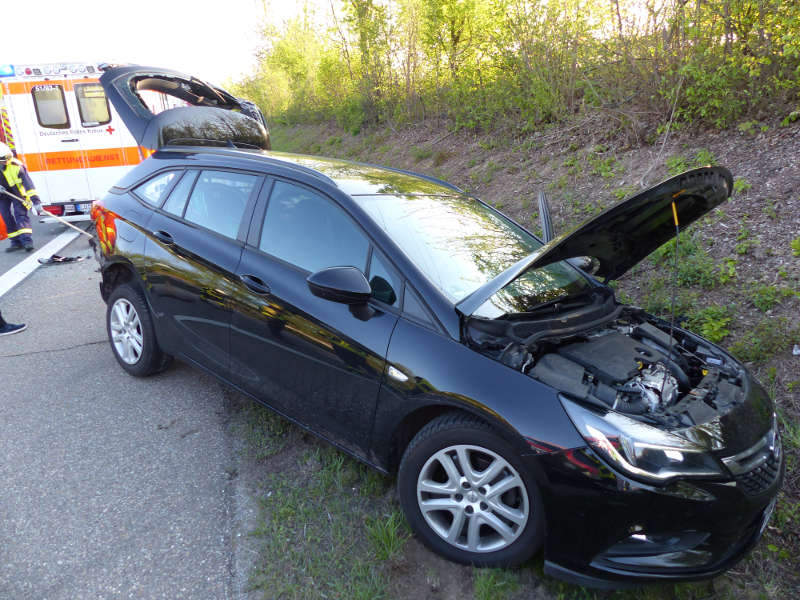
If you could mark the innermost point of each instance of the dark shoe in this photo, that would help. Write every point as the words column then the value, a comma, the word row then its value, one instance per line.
column 13, row 248
column 9, row 328
column 28, row 246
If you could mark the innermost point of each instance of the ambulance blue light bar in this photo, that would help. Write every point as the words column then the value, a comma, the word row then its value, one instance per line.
column 6, row 70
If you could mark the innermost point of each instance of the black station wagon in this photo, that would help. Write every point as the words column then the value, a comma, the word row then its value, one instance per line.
column 422, row 331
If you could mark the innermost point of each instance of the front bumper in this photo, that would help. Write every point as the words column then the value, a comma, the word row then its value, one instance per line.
column 607, row 531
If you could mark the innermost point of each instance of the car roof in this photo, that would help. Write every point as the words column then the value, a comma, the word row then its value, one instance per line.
column 352, row 178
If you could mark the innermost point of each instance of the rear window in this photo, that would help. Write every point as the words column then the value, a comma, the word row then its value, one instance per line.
column 92, row 104
column 51, row 110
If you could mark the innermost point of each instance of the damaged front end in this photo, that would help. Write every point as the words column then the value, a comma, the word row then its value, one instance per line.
column 653, row 403
column 615, row 357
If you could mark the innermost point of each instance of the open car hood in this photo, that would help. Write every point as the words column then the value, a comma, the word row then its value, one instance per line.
column 162, row 107
column 624, row 234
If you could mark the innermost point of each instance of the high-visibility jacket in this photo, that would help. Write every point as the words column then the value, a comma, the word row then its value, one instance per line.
column 15, row 179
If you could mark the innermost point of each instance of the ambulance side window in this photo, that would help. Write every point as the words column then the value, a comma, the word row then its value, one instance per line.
column 51, row 111
column 92, row 104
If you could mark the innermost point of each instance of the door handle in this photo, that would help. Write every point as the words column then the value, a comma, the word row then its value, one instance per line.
column 255, row 284
column 164, row 237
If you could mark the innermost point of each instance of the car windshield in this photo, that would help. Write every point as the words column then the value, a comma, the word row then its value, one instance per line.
column 460, row 244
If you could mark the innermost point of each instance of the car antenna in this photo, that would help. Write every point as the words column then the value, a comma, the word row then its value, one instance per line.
column 674, row 290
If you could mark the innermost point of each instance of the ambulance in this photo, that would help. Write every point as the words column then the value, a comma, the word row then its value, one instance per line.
column 57, row 120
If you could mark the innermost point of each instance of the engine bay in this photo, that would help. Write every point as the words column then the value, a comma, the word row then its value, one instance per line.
column 616, row 357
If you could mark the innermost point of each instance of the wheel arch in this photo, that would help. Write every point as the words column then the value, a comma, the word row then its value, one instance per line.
column 114, row 275
column 415, row 420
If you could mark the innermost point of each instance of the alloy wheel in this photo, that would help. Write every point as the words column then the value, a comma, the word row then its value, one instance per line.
column 126, row 331
column 473, row 498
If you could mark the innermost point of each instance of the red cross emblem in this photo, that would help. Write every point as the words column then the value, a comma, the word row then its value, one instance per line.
column 110, row 130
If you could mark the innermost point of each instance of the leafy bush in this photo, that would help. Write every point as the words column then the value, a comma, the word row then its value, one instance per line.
column 711, row 322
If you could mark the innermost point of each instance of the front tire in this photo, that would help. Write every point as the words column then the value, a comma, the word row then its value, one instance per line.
column 467, row 495
column 131, row 333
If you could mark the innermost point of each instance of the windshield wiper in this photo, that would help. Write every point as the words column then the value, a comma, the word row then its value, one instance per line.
column 558, row 303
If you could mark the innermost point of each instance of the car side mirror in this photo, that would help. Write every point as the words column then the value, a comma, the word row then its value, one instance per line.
column 346, row 285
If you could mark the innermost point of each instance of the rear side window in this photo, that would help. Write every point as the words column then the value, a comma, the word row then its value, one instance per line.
column 180, row 193
column 51, row 111
column 218, row 201
column 311, row 232
column 92, row 104
column 153, row 190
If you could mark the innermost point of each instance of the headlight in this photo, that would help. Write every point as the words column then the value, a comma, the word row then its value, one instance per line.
column 639, row 450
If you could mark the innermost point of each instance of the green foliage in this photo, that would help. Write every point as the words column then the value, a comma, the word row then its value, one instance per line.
column 476, row 62
column 704, row 157
column 677, row 165
column 766, row 297
column 740, row 184
column 795, row 246
column 695, row 266
column 727, row 270
column 711, row 322
column 762, row 341
column 421, row 153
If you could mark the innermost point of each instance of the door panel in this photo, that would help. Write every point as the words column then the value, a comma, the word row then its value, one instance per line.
column 191, row 272
column 317, row 361
column 312, row 359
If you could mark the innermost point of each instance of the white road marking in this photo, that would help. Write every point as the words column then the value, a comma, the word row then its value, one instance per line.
column 21, row 270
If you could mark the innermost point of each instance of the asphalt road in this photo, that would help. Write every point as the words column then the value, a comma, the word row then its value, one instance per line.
column 42, row 233
column 110, row 486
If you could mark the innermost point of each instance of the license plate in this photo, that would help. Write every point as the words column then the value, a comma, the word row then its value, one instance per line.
column 85, row 207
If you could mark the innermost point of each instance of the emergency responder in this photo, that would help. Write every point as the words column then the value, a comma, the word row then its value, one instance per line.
column 17, row 197
column 9, row 328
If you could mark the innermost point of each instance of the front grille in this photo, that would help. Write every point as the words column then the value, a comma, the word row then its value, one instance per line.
column 759, row 479
column 757, row 468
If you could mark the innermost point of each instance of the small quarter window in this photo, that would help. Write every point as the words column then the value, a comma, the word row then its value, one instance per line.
column 92, row 104
column 153, row 190
column 413, row 307
column 218, row 201
column 51, row 110
column 310, row 231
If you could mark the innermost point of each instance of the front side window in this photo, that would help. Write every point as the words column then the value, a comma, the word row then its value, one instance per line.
column 153, row 190
column 311, row 232
column 92, row 104
column 460, row 244
column 218, row 201
column 51, row 110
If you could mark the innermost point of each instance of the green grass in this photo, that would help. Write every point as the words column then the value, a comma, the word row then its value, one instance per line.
column 494, row 584
column 387, row 534
column 765, row 339
column 324, row 527
column 421, row 154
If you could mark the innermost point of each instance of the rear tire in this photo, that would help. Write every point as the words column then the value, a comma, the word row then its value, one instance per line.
column 131, row 333
column 467, row 494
